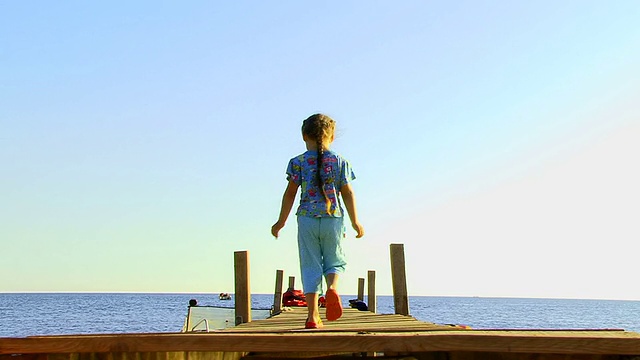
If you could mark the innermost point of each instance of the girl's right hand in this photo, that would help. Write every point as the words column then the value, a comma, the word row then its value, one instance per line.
column 275, row 229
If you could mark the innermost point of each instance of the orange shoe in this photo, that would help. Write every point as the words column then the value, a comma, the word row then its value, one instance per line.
column 334, row 305
column 310, row 324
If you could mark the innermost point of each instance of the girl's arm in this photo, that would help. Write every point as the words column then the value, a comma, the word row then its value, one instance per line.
column 287, row 203
column 350, row 203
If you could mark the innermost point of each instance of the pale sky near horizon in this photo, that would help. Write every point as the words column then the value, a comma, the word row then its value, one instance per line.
column 143, row 143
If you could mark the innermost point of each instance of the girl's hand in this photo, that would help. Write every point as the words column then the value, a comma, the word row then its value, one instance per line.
column 359, row 229
column 275, row 229
column 287, row 203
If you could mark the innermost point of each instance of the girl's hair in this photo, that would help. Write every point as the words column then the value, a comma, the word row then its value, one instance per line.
column 321, row 128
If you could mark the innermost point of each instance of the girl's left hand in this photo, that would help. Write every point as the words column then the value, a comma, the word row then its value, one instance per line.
column 358, row 228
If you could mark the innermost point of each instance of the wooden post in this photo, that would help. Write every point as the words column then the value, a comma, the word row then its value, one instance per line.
column 360, row 289
column 292, row 282
column 371, row 298
column 243, row 297
column 188, row 320
column 371, row 291
column 277, row 295
column 399, row 279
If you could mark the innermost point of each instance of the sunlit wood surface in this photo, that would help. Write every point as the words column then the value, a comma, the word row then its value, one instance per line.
column 356, row 332
column 352, row 320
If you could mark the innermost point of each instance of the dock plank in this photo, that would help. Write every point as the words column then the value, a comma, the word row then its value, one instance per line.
column 557, row 342
column 355, row 332
column 352, row 320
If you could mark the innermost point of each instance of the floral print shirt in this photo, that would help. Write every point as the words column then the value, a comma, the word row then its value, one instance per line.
column 336, row 172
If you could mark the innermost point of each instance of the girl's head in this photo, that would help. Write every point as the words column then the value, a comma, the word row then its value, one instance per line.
column 319, row 129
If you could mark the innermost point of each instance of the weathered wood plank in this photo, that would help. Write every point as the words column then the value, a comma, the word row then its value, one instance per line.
column 312, row 355
column 277, row 294
column 242, row 287
column 357, row 332
column 556, row 342
column 399, row 279
column 512, row 356
column 179, row 355
column 360, row 295
column 351, row 320
column 371, row 293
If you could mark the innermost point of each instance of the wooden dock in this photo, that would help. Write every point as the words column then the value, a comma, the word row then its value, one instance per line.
column 352, row 320
column 357, row 334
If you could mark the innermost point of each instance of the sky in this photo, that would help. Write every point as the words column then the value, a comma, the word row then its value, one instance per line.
column 143, row 143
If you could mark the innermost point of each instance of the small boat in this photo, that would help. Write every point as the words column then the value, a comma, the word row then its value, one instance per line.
column 225, row 296
column 211, row 318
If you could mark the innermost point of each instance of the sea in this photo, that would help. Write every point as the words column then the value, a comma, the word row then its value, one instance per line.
column 29, row 314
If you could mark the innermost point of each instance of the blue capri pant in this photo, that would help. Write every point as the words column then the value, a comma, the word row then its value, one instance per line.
column 320, row 250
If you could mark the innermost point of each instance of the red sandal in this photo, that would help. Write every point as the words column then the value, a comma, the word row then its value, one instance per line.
column 310, row 324
column 334, row 305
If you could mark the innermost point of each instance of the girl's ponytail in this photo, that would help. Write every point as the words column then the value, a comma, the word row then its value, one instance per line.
column 321, row 128
column 320, row 169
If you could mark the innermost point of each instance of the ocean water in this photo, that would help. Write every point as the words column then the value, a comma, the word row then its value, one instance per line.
column 27, row 314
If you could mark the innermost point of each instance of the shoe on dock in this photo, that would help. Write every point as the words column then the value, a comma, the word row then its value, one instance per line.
column 334, row 305
column 310, row 324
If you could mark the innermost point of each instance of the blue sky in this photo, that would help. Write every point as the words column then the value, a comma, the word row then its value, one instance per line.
column 143, row 143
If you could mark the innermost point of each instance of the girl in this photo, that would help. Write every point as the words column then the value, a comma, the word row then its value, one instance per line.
column 323, row 176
